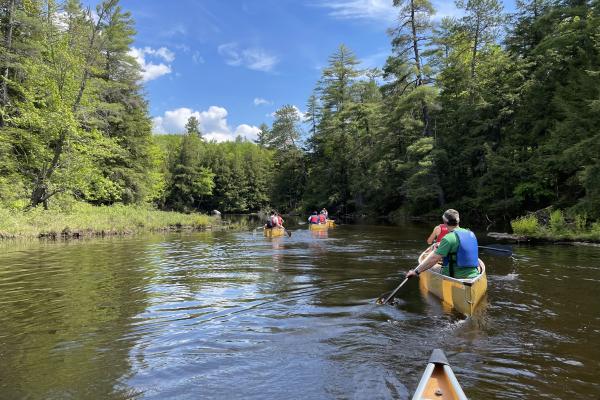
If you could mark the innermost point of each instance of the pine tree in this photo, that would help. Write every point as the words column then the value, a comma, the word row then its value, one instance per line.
column 192, row 127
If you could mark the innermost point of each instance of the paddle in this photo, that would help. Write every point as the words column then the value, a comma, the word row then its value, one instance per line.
column 287, row 232
column 383, row 299
column 504, row 251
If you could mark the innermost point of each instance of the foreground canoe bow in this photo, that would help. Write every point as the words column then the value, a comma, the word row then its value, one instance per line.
column 438, row 380
column 461, row 294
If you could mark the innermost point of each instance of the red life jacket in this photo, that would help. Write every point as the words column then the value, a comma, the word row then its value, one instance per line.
column 322, row 219
column 443, row 232
column 280, row 220
column 314, row 219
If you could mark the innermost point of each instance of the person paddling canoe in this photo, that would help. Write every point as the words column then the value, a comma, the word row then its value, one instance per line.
column 458, row 249
column 314, row 218
column 438, row 234
column 273, row 221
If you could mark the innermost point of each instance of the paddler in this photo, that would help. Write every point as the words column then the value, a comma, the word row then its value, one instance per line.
column 314, row 218
column 458, row 249
column 438, row 234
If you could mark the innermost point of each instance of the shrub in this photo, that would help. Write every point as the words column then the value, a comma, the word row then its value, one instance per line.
column 527, row 225
column 580, row 223
column 557, row 221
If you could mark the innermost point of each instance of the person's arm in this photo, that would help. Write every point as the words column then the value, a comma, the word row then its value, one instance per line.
column 435, row 233
column 431, row 260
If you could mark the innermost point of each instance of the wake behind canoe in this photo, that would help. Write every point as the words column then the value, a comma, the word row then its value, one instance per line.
column 438, row 380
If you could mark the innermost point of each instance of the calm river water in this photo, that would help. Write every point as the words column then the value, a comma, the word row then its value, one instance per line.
column 238, row 316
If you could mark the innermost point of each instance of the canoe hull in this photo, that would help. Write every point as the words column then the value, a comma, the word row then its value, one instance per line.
column 317, row 227
column 438, row 380
column 274, row 232
column 463, row 295
column 330, row 223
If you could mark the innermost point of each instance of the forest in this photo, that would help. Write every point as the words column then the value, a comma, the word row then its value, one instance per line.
column 491, row 112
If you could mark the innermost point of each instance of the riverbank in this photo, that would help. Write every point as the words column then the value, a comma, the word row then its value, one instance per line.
column 84, row 220
column 553, row 226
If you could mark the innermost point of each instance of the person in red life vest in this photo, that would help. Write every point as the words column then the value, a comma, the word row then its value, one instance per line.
column 314, row 218
column 273, row 221
column 279, row 220
column 458, row 249
column 438, row 234
column 322, row 218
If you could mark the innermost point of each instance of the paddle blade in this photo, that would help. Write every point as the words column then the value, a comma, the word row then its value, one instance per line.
column 386, row 297
column 381, row 299
column 501, row 250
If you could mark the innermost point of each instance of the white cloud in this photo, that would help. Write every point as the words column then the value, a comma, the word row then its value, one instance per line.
column 247, row 131
column 252, row 58
column 151, row 70
column 375, row 60
column 258, row 101
column 446, row 9
column 197, row 58
column 380, row 10
column 361, row 9
column 213, row 124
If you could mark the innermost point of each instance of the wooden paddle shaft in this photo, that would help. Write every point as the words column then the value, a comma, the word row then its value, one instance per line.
column 395, row 290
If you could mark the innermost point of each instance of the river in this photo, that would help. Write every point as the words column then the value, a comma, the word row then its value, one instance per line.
column 228, row 315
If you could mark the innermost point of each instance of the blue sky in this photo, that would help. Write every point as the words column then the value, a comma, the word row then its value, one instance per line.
column 232, row 63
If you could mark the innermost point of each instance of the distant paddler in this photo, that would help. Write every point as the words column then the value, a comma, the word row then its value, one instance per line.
column 273, row 221
column 458, row 249
column 314, row 218
column 322, row 218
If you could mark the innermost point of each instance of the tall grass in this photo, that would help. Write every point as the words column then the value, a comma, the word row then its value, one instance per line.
column 559, row 227
column 84, row 219
column 527, row 225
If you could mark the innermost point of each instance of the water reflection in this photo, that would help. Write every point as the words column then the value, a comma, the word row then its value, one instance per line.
column 237, row 315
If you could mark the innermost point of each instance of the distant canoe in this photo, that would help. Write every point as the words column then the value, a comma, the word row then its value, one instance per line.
column 438, row 380
column 461, row 294
column 317, row 227
column 274, row 232
column 330, row 223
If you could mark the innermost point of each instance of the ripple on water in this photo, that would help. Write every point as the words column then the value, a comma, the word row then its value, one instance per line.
column 240, row 316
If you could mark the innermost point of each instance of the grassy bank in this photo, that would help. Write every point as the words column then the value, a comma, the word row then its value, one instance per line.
column 555, row 226
column 84, row 220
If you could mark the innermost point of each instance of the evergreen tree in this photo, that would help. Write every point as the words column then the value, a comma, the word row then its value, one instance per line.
column 190, row 182
column 192, row 127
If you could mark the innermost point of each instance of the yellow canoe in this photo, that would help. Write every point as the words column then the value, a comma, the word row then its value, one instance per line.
column 330, row 223
column 274, row 232
column 438, row 380
column 317, row 227
column 461, row 294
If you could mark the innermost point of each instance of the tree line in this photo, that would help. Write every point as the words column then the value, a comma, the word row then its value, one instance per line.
column 492, row 112
column 74, row 123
